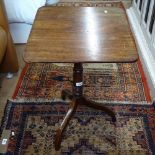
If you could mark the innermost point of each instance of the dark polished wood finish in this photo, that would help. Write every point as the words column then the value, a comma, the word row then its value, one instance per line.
column 78, row 35
column 77, row 99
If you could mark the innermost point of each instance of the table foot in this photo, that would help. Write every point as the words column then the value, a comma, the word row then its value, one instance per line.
column 63, row 125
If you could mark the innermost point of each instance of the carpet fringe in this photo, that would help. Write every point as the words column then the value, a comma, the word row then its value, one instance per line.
column 67, row 101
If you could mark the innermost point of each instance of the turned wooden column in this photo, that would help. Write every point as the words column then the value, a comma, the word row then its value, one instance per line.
column 78, row 79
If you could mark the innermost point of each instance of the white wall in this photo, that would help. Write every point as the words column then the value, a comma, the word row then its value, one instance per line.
column 147, row 56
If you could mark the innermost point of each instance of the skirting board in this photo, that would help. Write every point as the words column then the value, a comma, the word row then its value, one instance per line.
column 146, row 57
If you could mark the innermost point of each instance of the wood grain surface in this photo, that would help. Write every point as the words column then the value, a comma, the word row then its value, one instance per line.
column 81, row 34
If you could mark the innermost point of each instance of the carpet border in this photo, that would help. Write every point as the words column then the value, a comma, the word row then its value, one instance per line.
column 11, row 102
column 20, row 80
column 144, row 80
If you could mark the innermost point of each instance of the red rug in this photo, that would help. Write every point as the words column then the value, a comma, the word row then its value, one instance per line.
column 121, row 87
column 116, row 83
column 90, row 132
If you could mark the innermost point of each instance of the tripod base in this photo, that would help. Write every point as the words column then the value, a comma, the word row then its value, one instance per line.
column 77, row 99
column 73, row 106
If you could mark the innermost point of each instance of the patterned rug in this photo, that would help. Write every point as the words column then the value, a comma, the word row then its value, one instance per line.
column 90, row 132
column 99, row 3
column 116, row 83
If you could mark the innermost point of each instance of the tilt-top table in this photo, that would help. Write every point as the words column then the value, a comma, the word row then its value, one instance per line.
column 80, row 35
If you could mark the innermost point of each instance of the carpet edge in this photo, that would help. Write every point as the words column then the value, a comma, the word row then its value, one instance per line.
column 20, row 80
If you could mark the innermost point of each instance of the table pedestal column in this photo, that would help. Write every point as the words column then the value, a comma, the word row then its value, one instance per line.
column 77, row 98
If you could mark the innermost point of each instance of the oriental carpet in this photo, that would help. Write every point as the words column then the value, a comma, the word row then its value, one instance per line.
column 37, row 109
column 111, row 82
column 106, row 83
column 90, row 132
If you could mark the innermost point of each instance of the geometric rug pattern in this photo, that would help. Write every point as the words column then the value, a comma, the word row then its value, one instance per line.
column 38, row 110
column 90, row 132
column 103, row 82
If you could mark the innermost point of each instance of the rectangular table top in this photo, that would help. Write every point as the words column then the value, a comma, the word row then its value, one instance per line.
column 81, row 34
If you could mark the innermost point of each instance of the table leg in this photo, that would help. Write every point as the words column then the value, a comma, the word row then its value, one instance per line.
column 77, row 98
column 78, row 80
column 64, row 124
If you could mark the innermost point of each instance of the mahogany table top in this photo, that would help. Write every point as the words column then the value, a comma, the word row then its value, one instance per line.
column 81, row 34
